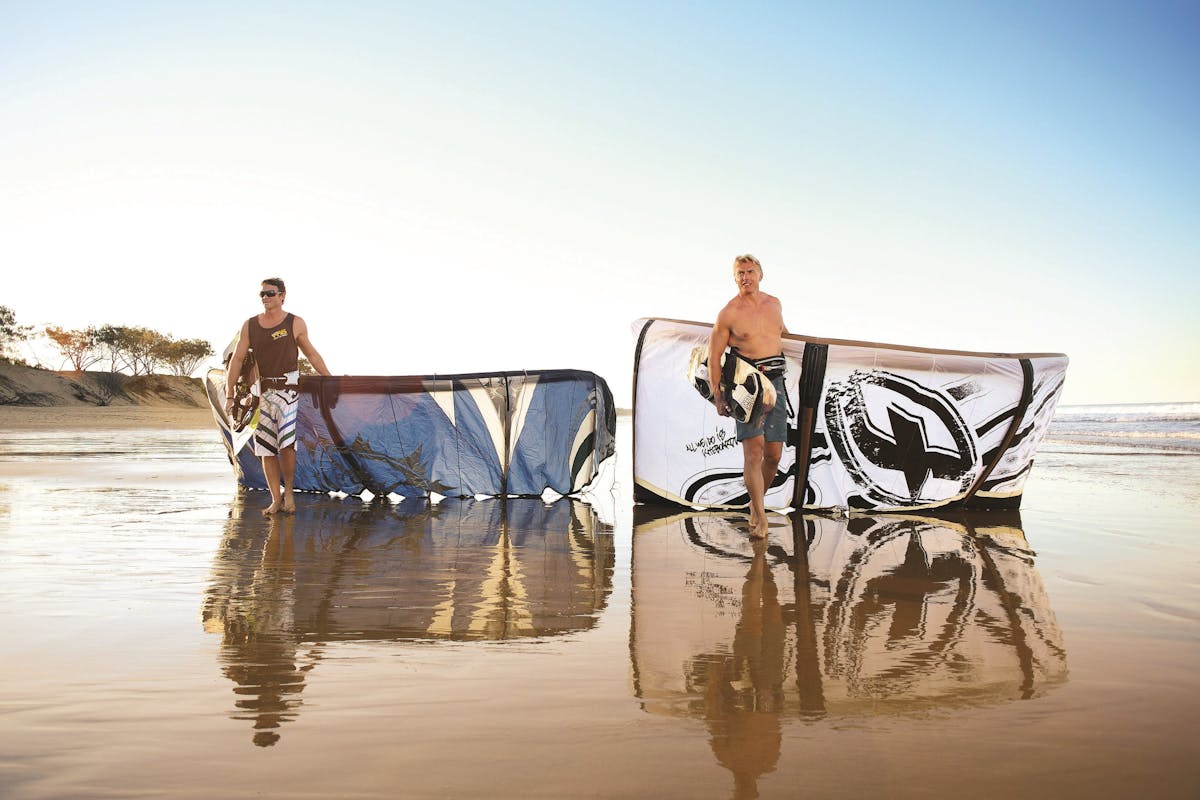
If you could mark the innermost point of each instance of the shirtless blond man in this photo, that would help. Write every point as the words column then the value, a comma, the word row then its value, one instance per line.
column 752, row 323
column 277, row 338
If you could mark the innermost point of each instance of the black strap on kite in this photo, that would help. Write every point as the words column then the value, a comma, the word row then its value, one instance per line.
column 1017, row 419
column 812, row 382
column 324, row 392
column 640, row 494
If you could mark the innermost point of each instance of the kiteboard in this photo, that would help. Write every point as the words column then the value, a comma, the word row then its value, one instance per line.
column 245, row 391
column 748, row 393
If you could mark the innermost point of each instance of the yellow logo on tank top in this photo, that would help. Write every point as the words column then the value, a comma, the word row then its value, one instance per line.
column 279, row 334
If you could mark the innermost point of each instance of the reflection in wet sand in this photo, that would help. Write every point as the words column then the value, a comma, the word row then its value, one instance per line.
column 743, row 690
column 832, row 617
column 497, row 569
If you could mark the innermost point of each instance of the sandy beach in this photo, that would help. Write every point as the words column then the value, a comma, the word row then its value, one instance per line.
column 162, row 639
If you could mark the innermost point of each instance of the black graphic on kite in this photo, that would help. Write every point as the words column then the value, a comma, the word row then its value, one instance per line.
column 895, row 437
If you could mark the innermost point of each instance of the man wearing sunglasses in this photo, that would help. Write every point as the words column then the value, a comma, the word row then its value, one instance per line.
column 276, row 339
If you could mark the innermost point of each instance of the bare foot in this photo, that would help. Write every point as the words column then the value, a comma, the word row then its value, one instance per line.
column 289, row 508
column 759, row 530
column 274, row 508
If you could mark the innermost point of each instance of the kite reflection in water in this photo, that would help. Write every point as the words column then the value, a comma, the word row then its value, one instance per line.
column 282, row 590
column 832, row 617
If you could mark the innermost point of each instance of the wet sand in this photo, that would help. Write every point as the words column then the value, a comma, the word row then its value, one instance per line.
column 162, row 639
column 122, row 417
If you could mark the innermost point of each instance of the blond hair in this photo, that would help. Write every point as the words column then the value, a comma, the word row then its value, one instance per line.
column 747, row 259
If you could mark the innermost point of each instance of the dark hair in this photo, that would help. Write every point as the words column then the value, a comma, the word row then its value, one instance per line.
column 277, row 283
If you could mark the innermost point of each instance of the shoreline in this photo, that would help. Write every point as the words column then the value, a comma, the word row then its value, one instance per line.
column 76, row 418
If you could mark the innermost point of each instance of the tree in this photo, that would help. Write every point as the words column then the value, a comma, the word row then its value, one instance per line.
column 133, row 348
column 182, row 356
column 82, row 348
column 141, row 351
column 10, row 331
column 108, row 335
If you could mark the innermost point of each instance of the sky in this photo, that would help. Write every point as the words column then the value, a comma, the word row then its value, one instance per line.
column 484, row 186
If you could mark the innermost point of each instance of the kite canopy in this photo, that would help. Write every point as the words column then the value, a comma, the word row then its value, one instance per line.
column 505, row 433
column 870, row 426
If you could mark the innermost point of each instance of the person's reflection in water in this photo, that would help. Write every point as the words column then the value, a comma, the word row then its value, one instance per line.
column 743, row 694
column 260, row 643
column 286, row 588
column 873, row 616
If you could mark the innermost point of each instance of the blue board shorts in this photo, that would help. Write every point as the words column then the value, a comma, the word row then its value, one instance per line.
column 773, row 425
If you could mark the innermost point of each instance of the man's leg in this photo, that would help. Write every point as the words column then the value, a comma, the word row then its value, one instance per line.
column 270, row 465
column 774, row 432
column 287, row 465
column 752, row 474
column 772, row 452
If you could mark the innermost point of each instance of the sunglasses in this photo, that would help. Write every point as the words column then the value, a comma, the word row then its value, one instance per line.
column 268, row 293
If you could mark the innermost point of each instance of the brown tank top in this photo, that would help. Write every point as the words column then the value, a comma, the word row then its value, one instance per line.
column 275, row 349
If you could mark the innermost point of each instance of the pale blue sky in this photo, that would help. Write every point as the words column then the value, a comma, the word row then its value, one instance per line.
column 486, row 186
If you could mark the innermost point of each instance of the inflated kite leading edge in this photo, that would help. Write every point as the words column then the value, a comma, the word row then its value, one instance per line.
column 504, row 433
column 878, row 427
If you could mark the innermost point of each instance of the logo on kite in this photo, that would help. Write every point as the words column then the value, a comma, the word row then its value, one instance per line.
column 902, row 442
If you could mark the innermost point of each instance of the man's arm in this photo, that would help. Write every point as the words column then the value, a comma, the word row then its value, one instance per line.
column 718, row 340
column 234, row 369
column 306, row 347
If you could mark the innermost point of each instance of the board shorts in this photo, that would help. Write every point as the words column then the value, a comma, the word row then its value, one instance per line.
column 276, row 429
column 773, row 425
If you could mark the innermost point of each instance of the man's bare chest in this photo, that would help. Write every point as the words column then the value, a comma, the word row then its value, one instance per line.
column 756, row 323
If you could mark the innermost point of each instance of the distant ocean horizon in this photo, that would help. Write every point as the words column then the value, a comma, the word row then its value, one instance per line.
column 1126, row 428
column 1120, row 428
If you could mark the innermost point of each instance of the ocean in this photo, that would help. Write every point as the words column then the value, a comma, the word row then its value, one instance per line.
column 1126, row 428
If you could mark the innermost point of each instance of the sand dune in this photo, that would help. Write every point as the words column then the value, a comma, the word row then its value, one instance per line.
column 38, row 399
